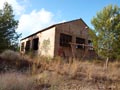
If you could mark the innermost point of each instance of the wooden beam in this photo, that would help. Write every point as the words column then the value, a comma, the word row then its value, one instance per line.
column 81, row 44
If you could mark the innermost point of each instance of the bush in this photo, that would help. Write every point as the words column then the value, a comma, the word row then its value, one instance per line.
column 10, row 55
column 13, row 60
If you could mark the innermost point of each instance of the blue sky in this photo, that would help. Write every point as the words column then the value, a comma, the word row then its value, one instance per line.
column 34, row 15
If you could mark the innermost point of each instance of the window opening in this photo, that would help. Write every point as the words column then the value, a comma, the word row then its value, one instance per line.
column 65, row 40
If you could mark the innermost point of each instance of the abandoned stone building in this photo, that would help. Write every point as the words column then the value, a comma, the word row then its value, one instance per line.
column 68, row 39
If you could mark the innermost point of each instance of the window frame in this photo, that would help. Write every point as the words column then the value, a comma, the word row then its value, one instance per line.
column 35, row 44
column 80, row 41
column 65, row 40
column 22, row 46
column 27, row 47
column 91, row 45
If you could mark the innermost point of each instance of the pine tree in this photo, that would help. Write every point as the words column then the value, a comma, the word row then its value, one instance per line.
column 107, row 30
column 8, row 25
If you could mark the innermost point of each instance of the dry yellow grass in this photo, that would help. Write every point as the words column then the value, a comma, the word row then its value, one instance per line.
column 83, row 74
column 16, row 81
column 57, row 74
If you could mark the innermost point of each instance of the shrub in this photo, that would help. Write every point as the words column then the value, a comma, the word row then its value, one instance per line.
column 13, row 60
column 10, row 55
column 16, row 81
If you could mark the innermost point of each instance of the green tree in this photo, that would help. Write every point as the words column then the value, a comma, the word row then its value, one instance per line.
column 8, row 25
column 107, row 31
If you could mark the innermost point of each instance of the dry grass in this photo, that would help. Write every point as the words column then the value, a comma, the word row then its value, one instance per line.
column 86, row 75
column 57, row 74
column 14, row 60
column 16, row 81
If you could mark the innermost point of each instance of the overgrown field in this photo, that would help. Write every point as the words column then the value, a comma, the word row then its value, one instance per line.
column 18, row 72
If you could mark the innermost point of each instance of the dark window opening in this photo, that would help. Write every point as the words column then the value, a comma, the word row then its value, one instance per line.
column 35, row 44
column 27, row 48
column 80, row 41
column 89, row 41
column 90, row 44
column 22, row 46
column 65, row 40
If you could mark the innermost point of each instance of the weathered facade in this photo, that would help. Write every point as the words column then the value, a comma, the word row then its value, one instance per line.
column 68, row 39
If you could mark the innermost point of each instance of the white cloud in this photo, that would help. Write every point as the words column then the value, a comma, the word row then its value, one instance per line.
column 31, row 22
column 36, row 20
column 17, row 7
